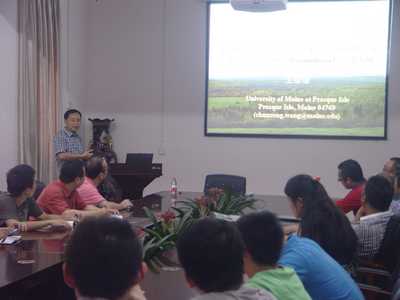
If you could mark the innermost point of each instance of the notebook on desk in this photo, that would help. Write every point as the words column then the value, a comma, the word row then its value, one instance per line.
column 141, row 162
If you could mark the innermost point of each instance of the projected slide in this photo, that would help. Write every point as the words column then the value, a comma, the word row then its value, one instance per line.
column 316, row 69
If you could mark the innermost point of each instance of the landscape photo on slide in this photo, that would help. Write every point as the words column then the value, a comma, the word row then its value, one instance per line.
column 299, row 72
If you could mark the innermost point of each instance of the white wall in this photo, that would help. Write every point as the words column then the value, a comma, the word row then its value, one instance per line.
column 125, row 65
column 8, row 87
column 74, row 54
column 73, row 76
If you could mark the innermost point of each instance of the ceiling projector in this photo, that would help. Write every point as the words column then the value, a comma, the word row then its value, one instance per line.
column 259, row 5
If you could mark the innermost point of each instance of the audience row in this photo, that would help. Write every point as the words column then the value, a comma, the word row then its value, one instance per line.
column 303, row 261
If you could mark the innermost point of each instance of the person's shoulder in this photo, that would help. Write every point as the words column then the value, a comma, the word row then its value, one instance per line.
column 358, row 189
column 87, row 187
column 244, row 293
column 285, row 270
column 6, row 198
column 85, row 184
column 30, row 201
column 135, row 293
column 295, row 239
column 52, row 188
column 302, row 244
column 253, row 293
column 60, row 133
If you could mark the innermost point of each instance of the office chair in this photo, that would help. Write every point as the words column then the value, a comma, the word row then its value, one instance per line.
column 236, row 184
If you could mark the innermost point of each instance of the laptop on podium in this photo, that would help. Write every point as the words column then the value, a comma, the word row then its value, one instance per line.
column 140, row 162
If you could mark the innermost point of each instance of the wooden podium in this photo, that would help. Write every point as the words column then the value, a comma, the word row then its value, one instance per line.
column 131, row 181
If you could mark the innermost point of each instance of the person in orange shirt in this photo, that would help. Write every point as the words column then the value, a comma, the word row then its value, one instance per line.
column 352, row 178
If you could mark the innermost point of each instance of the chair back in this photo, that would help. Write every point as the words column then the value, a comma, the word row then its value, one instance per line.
column 396, row 290
column 389, row 251
column 236, row 184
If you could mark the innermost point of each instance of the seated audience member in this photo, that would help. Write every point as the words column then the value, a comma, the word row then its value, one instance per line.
column 391, row 167
column 395, row 204
column 61, row 197
column 103, row 260
column 321, row 220
column 373, row 216
column 211, row 254
column 263, row 238
column 352, row 178
column 96, row 172
column 17, row 207
column 322, row 277
column 391, row 171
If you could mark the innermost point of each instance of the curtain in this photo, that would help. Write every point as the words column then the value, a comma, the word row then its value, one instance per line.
column 38, row 84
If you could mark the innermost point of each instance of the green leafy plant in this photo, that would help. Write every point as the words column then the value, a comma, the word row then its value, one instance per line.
column 161, row 237
column 218, row 200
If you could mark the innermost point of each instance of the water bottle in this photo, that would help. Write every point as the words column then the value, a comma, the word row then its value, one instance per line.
column 174, row 190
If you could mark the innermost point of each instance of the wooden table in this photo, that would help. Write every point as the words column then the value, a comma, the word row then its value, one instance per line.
column 32, row 268
column 42, row 278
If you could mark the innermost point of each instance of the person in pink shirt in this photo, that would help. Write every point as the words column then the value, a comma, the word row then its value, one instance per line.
column 96, row 172
column 61, row 197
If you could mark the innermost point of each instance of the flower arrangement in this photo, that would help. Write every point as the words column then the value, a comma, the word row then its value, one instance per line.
column 218, row 200
column 160, row 239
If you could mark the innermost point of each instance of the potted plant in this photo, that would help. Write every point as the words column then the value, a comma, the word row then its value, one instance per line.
column 160, row 238
column 219, row 201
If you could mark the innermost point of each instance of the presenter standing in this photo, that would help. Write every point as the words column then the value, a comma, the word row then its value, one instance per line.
column 67, row 142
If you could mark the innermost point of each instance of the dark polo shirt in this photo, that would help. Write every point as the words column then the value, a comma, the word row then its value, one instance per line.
column 10, row 210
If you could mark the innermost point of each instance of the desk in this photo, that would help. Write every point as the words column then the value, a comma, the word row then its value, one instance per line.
column 132, row 181
column 43, row 278
column 162, row 201
column 38, row 279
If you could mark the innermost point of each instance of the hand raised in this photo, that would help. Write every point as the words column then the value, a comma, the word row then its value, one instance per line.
column 87, row 154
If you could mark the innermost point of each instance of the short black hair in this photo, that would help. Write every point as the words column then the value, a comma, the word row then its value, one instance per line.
column 104, row 257
column 19, row 179
column 262, row 234
column 211, row 253
column 378, row 192
column 351, row 169
column 94, row 166
column 70, row 112
column 70, row 170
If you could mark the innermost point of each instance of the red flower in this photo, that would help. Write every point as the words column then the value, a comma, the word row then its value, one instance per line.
column 139, row 232
column 167, row 216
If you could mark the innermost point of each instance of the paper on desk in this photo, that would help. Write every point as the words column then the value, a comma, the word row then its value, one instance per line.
column 229, row 218
column 10, row 239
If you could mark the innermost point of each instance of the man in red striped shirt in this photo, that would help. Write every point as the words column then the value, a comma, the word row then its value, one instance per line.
column 352, row 178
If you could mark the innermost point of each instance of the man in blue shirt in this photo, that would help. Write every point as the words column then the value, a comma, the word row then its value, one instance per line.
column 67, row 142
column 322, row 276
